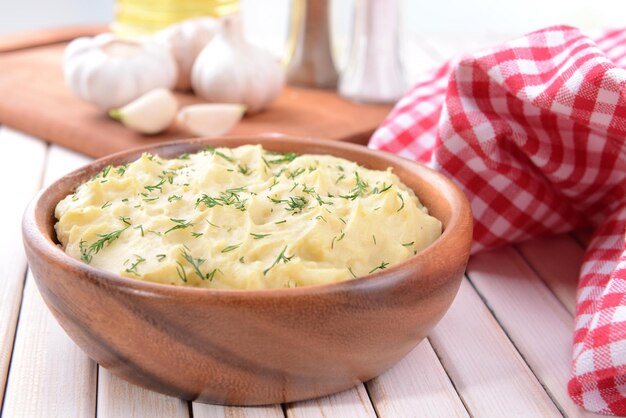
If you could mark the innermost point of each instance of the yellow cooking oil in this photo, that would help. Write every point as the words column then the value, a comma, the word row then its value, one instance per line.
column 135, row 18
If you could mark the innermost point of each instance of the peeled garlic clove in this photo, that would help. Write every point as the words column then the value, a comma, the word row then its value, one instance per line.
column 185, row 40
column 149, row 114
column 209, row 119
column 231, row 70
column 110, row 72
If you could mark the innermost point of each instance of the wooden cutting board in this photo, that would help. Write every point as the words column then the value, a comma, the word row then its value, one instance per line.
column 35, row 100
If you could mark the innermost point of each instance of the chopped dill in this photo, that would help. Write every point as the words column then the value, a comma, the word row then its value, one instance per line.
column 158, row 186
column 408, row 244
column 105, row 170
column 360, row 187
column 121, row 170
column 85, row 255
column 281, row 257
column 140, row 228
column 259, row 236
column 181, row 272
column 231, row 248
column 194, row 262
column 133, row 268
column 402, row 200
column 105, row 239
column 244, row 169
column 180, row 224
column 282, row 157
column 381, row 266
column 351, row 272
column 296, row 173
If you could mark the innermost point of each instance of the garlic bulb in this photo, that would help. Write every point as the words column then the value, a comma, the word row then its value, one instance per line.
column 111, row 72
column 185, row 40
column 149, row 114
column 209, row 119
column 231, row 70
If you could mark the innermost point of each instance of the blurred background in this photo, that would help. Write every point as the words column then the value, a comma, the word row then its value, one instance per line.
column 267, row 21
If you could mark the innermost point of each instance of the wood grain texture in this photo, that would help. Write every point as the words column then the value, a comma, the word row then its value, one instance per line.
column 30, row 39
column 36, row 100
column 352, row 403
column 255, row 347
column 119, row 399
column 488, row 372
column 50, row 376
column 534, row 319
column 15, row 150
column 203, row 410
column 417, row 386
column 557, row 261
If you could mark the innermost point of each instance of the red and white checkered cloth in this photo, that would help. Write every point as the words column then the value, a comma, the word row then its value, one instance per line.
column 534, row 131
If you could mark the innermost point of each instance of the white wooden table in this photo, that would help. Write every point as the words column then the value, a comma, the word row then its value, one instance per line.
column 503, row 349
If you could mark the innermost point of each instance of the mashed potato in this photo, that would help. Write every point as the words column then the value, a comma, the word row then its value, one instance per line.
column 243, row 218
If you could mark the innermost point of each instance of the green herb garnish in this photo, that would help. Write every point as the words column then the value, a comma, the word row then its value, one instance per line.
column 351, row 272
column 231, row 248
column 180, row 224
column 133, row 268
column 382, row 266
column 158, row 186
column 259, row 236
column 402, row 200
column 281, row 257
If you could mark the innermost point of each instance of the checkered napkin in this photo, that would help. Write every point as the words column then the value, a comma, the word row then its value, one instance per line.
column 534, row 131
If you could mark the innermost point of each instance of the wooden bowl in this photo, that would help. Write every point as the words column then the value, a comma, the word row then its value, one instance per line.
column 251, row 347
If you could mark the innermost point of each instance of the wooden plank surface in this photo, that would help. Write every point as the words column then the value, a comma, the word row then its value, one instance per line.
column 417, row 386
column 537, row 323
column 352, row 403
column 201, row 410
column 119, row 399
column 15, row 148
column 491, row 377
column 50, row 376
column 561, row 277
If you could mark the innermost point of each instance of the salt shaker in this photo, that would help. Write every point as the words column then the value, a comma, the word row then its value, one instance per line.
column 311, row 63
column 373, row 73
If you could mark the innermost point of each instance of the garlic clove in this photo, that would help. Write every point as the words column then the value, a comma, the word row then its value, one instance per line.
column 185, row 40
column 209, row 119
column 231, row 70
column 111, row 72
column 149, row 114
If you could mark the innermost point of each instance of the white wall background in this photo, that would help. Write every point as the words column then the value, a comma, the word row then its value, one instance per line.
column 493, row 16
column 267, row 20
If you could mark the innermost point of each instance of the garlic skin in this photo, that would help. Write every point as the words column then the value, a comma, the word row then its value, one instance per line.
column 150, row 114
column 111, row 72
column 209, row 119
column 185, row 40
column 231, row 70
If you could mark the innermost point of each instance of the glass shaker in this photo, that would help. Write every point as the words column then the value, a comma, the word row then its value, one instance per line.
column 311, row 62
column 373, row 73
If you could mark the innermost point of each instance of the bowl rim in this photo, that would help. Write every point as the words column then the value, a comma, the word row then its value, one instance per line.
column 34, row 235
